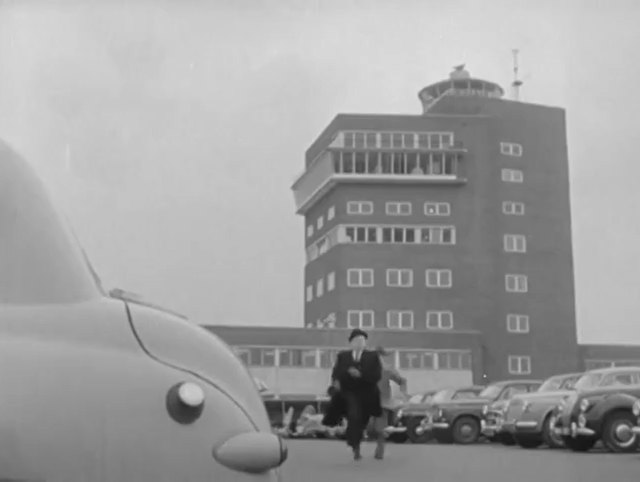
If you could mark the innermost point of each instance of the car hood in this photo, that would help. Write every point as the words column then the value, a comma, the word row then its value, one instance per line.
column 543, row 396
column 470, row 402
column 182, row 344
column 415, row 407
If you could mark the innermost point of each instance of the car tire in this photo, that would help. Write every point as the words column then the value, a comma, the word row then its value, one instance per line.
column 528, row 441
column 507, row 439
column 412, row 425
column 580, row 444
column 549, row 436
column 616, row 433
column 466, row 430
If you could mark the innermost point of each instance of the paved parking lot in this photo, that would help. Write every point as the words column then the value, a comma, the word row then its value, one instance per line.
column 330, row 461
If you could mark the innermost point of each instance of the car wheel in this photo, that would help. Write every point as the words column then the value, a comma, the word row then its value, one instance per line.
column 506, row 438
column 528, row 441
column 549, row 436
column 580, row 444
column 466, row 430
column 617, row 435
column 413, row 435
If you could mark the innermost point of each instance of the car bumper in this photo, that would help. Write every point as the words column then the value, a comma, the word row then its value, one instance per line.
column 574, row 431
column 636, row 430
column 489, row 429
column 440, row 425
column 395, row 429
column 526, row 426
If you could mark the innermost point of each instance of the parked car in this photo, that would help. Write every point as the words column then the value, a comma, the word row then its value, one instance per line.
column 397, row 430
column 636, row 413
column 528, row 417
column 460, row 421
column 100, row 385
column 409, row 418
column 606, row 413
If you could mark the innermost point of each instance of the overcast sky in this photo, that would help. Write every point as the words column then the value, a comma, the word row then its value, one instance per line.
column 171, row 131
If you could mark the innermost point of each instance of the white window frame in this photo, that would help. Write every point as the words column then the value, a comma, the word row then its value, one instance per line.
column 320, row 223
column 518, row 323
column 360, row 314
column 514, row 243
column 320, row 288
column 398, row 208
column 362, row 208
column 361, row 272
column 331, row 281
column 511, row 149
column 309, row 293
column 512, row 175
column 441, row 208
column 399, row 274
column 439, row 273
column 513, row 208
column 443, row 320
column 519, row 364
column 309, row 230
column 331, row 213
column 401, row 319
column 520, row 283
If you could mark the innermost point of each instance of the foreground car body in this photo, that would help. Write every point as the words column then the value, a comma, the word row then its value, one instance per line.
column 606, row 413
column 97, row 388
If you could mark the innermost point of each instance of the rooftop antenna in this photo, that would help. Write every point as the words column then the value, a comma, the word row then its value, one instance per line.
column 516, row 82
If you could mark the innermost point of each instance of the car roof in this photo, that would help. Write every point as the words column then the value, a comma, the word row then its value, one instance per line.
column 566, row 375
column 504, row 383
column 608, row 370
column 41, row 261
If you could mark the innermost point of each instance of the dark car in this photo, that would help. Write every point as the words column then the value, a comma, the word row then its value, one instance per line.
column 409, row 417
column 604, row 414
column 397, row 430
column 460, row 421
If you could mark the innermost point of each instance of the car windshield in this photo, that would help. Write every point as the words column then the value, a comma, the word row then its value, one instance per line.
column 588, row 380
column 464, row 395
column 491, row 392
column 569, row 383
column 552, row 384
column 442, row 396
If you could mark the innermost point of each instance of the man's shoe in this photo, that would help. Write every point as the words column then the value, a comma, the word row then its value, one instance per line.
column 356, row 453
column 379, row 453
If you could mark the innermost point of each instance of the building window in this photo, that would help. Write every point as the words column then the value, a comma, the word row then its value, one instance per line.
column 360, row 207
column 439, row 320
column 398, row 235
column 290, row 357
column 320, row 223
column 359, row 278
column 437, row 209
column 517, row 323
column 398, row 208
column 309, row 230
column 320, row 288
column 438, row 235
column 361, row 234
column 519, row 365
column 309, row 293
column 331, row 213
column 516, row 283
column 402, row 320
column 400, row 278
column 512, row 175
column 515, row 243
column 360, row 319
column 331, row 281
column 510, row 149
column 513, row 208
column 439, row 278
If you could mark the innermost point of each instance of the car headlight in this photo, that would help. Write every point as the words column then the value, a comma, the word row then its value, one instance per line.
column 399, row 414
column 584, row 405
column 440, row 413
column 636, row 408
column 485, row 410
column 185, row 402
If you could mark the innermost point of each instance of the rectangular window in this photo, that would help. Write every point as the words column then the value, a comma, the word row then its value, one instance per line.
column 290, row 357
column 320, row 288
column 320, row 223
column 309, row 358
column 513, row 208
column 361, row 234
column 515, row 243
column 517, row 323
column 519, row 365
column 439, row 320
column 331, row 213
column 398, row 235
column 510, row 149
column 360, row 319
column 397, row 319
column 437, row 209
column 327, row 358
column 309, row 230
column 309, row 293
column 398, row 208
column 516, row 283
column 331, row 281
column 360, row 207
column 359, row 278
column 438, row 235
column 512, row 175
column 400, row 278
column 439, row 278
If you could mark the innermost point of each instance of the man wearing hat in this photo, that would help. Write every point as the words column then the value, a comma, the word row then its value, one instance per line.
column 355, row 376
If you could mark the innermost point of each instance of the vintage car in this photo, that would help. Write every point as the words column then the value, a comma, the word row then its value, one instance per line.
column 528, row 417
column 410, row 416
column 460, row 421
column 396, row 430
column 107, row 388
column 601, row 408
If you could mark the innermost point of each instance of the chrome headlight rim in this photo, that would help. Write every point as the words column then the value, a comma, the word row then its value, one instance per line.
column 636, row 408
column 585, row 403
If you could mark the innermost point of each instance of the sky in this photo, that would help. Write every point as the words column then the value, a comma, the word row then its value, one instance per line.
column 170, row 132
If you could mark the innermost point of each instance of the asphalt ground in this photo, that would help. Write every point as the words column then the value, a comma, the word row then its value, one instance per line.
column 331, row 461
